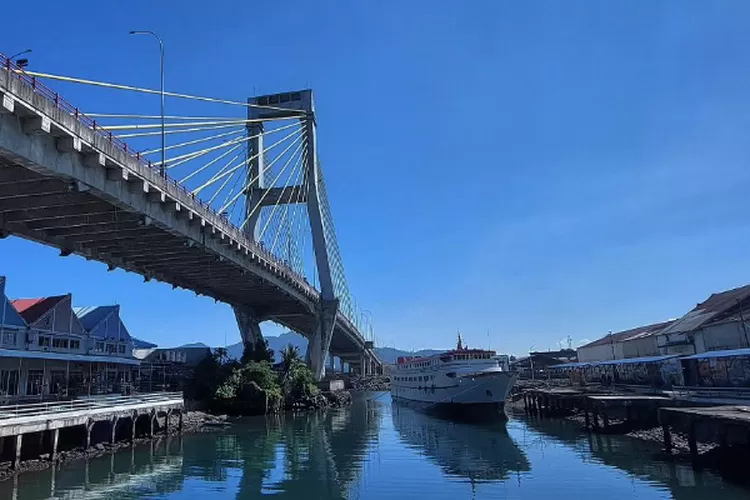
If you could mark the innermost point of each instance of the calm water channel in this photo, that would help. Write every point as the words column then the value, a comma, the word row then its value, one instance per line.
column 375, row 450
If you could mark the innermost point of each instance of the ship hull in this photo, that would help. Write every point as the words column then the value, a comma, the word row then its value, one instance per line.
column 481, row 396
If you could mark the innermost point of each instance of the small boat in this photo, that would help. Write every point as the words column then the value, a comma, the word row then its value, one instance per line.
column 459, row 383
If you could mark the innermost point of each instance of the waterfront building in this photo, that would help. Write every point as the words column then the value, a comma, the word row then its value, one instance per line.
column 48, row 351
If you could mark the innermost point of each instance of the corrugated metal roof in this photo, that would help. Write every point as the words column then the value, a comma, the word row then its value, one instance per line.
column 13, row 353
column 639, row 332
column 103, row 322
column 91, row 316
column 717, row 306
column 142, row 344
column 728, row 353
column 10, row 316
column 33, row 309
column 645, row 359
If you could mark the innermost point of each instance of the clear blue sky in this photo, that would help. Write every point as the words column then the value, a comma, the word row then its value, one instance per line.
column 535, row 169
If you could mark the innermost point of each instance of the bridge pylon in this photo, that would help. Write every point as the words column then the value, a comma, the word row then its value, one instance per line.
column 259, row 193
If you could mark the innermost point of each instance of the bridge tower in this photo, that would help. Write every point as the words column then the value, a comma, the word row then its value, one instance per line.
column 309, row 192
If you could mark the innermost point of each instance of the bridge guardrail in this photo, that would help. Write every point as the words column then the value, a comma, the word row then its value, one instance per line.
column 59, row 102
column 31, row 409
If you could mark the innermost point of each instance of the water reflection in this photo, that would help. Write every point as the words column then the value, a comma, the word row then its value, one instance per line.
column 470, row 451
column 308, row 456
column 640, row 460
column 151, row 470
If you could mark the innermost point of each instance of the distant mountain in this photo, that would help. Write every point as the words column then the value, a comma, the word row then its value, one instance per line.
column 386, row 354
column 275, row 343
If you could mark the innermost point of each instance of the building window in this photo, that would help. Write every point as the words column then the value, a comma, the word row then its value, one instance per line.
column 121, row 348
column 34, row 382
column 9, row 382
column 43, row 341
column 9, row 338
column 58, row 343
column 111, row 348
column 75, row 345
column 99, row 347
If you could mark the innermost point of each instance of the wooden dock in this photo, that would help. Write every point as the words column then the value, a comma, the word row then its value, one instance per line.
column 599, row 408
column 35, row 428
column 725, row 425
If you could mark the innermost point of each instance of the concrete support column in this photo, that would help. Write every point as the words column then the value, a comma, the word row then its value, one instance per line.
column 151, row 419
column 132, row 427
column 317, row 347
column 249, row 324
column 17, row 451
column 113, row 433
column 89, row 426
column 55, row 441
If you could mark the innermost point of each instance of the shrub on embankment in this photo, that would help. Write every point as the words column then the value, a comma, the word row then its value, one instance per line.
column 252, row 386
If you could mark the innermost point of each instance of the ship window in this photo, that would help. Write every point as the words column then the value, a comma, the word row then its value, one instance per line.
column 450, row 374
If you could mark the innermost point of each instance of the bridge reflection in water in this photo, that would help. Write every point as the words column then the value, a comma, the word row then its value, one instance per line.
column 308, row 456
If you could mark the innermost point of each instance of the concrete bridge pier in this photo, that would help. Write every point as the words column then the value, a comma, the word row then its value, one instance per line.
column 249, row 324
column 320, row 342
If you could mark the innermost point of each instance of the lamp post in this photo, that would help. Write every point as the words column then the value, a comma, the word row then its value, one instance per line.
column 163, row 165
column 27, row 51
column 531, row 360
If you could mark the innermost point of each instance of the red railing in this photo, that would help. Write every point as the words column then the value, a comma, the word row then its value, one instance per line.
column 41, row 89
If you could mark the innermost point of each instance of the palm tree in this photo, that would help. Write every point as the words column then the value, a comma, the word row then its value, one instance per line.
column 290, row 356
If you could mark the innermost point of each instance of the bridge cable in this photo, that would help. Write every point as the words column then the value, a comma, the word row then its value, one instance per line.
column 298, row 168
column 299, row 136
column 194, row 141
column 158, row 92
column 247, row 161
column 179, row 160
column 286, row 224
column 204, row 167
column 276, row 179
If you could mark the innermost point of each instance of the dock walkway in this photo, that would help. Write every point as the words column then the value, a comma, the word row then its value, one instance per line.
column 46, row 420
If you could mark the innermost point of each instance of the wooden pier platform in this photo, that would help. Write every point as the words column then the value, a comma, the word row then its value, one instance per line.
column 41, row 423
column 725, row 425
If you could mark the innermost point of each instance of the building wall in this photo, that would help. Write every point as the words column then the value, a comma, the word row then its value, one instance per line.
column 601, row 352
column 22, row 377
column 640, row 347
column 729, row 335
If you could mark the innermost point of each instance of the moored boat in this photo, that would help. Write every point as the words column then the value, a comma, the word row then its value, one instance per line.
column 461, row 382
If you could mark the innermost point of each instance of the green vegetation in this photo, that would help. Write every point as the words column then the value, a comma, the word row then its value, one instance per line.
column 252, row 386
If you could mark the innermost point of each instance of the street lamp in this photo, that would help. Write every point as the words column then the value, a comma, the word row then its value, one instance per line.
column 27, row 51
column 163, row 165
column 531, row 360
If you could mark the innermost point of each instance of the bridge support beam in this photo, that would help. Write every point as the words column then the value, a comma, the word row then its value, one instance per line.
column 320, row 341
column 249, row 325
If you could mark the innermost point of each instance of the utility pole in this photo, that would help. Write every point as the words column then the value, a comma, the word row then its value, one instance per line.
column 742, row 320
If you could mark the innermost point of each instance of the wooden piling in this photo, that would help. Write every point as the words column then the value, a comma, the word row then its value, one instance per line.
column 692, row 441
column 667, row 438
column 17, row 451
column 55, row 441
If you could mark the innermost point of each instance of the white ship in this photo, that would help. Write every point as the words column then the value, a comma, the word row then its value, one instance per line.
column 461, row 382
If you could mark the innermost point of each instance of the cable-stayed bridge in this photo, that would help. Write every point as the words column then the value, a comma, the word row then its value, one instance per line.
column 237, row 210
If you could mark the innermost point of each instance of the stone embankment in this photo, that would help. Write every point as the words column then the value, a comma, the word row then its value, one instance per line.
column 372, row 383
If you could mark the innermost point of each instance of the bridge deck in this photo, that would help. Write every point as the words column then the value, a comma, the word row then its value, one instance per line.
column 69, row 185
